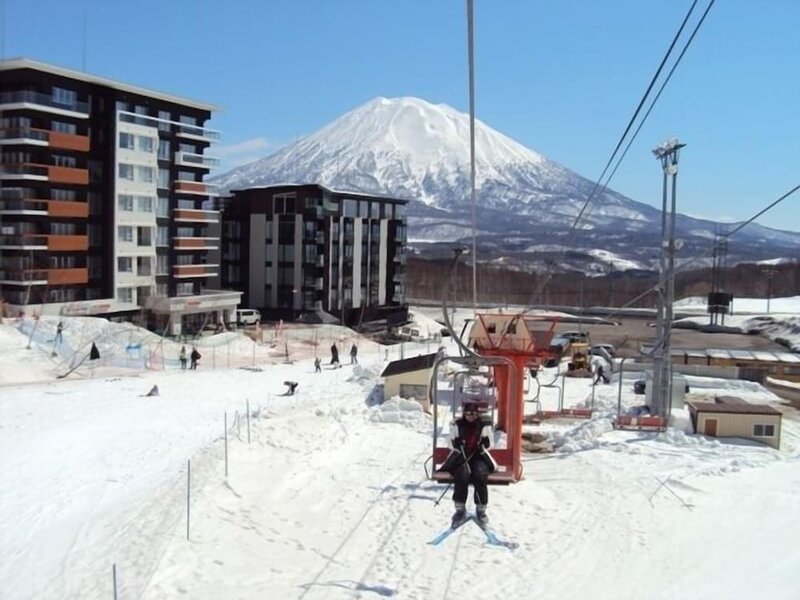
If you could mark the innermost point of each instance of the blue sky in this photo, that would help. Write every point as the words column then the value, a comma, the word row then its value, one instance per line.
column 561, row 77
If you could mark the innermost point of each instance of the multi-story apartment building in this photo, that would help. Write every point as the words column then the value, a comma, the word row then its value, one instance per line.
column 103, row 207
column 297, row 250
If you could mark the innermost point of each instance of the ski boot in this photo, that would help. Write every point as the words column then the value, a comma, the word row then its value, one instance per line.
column 459, row 516
column 481, row 518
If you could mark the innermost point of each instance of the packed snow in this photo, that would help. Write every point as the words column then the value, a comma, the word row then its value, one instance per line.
column 323, row 494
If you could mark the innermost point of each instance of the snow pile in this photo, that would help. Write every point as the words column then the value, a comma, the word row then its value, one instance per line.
column 784, row 331
column 584, row 437
column 676, row 437
column 406, row 412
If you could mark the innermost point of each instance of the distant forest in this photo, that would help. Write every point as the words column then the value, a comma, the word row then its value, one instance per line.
column 425, row 280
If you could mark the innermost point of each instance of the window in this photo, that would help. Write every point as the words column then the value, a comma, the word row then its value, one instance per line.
column 162, row 207
column 349, row 208
column 124, row 264
column 126, row 140
column 125, row 294
column 122, row 105
column 146, row 144
column 163, row 149
column 125, row 202
column 62, row 127
column 163, row 179
column 65, row 97
column 184, row 289
column 56, row 194
column 161, row 290
column 190, row 148
column 60, row 160
column 186, row 120
column 164, row 114
column 186, row 175
column 144, row 174
column 144, row 236
column 162, row 264
column 764, row 430
column 125, row 234
column 144, row 204
column 62, row 229
column 162, row 236
column 126, row 171
column 186, row 232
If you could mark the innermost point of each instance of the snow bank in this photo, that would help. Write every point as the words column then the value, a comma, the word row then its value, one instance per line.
column 584, row 437
column 405, row 412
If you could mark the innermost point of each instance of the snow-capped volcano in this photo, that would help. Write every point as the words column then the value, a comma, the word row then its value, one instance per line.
column 409, row 148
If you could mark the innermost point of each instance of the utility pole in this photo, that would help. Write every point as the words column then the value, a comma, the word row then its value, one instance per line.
column 667, row 153
column 770, row 273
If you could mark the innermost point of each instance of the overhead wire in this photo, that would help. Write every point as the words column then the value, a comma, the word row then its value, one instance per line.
column 708, row 253
column 657, row 96
column 572, row 232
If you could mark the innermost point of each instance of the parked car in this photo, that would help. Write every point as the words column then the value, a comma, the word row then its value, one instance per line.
column 248, row 316
column 599, row 349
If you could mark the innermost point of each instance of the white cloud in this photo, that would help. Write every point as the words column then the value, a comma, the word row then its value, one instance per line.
column 233, row 152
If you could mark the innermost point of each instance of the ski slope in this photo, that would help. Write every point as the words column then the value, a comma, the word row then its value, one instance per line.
column 329, row 498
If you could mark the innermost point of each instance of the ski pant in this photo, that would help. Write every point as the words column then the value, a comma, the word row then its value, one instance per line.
column 477, row 475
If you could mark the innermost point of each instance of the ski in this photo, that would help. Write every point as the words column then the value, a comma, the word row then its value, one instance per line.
column 447, row 532
column 493, row 539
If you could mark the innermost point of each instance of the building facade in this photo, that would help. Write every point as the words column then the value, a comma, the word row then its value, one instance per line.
column 103, row 208
column 300, row 251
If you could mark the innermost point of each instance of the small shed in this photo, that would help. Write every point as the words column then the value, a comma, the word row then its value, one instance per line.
column 729, row 416
column 410, row 378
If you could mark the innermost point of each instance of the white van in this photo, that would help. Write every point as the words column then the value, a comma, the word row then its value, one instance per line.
column 248, row 316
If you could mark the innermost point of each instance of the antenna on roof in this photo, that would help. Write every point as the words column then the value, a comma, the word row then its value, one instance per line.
column 83, row 56
column 2, row 28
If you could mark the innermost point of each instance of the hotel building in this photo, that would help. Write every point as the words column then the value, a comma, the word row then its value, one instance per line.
column 103, row 207
column 305, row 251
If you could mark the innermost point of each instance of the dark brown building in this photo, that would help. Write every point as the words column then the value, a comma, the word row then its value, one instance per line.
column 305, row 250
column 103, row 208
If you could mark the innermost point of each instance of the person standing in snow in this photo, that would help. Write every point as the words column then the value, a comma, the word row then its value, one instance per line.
column 598, row 364
column 317, row 365
column 334, row 355
column 471, row 437
column 182, row 357
column 354, row 354
column 59, row 332
column 194, row 356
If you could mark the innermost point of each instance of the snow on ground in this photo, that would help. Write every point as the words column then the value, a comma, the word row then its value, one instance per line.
column 329, row 499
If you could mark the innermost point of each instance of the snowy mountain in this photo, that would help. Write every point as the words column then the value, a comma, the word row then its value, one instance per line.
column 410, row 148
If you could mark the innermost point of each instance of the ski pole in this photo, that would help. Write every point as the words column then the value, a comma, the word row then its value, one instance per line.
column 436, row 503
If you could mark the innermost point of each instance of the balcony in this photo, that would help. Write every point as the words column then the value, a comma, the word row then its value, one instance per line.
column 45, row 173
column 195, row 243
column 189, row 159
column 195, row 187
column 187, row 215
column 29, row 277
column 188, row 271
column 43, row 102
column 53, row 243
column 44, row 137
column 198, row 133
column 49, row 208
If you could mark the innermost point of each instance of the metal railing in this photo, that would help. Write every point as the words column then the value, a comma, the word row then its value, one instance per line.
column 42, row 99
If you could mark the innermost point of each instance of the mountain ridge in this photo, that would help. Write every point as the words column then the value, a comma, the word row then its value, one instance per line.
column 410, row 148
